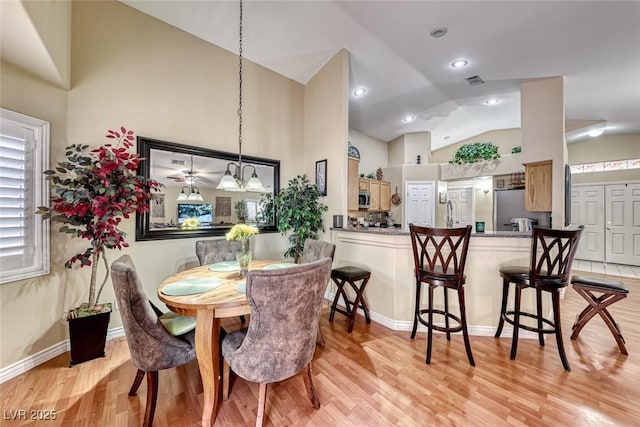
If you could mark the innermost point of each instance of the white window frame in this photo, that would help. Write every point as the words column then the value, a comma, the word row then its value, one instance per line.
column 36, row 133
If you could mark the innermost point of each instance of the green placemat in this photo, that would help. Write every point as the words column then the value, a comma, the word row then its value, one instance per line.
column 242, row 287
column 191, row 285
column 176, row 324
column 279, row 265
column 225, row 266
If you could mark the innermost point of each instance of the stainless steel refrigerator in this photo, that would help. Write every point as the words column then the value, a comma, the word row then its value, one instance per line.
column 508, row 204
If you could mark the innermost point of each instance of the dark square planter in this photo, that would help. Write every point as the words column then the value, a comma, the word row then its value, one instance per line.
column 88, row 336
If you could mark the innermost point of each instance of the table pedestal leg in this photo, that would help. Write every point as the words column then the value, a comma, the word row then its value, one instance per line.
column 207, row 351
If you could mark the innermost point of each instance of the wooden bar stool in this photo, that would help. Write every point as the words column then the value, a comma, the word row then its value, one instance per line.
column 350, row 275
column 552, row 253
column 610, row 291
column 439, row 256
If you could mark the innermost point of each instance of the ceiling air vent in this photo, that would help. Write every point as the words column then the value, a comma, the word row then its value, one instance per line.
column 178, row 162
column 475, row 80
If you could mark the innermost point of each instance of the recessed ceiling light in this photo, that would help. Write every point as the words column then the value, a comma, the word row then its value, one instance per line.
column 438, row 32
column 360, row 91
column 596, row 132
column 492, row 101
column 408, row 119
column 459, row 63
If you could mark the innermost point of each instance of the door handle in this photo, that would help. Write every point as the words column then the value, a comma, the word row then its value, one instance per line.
column 610, row 228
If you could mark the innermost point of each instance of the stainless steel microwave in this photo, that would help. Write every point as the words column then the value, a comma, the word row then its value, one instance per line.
column 364, row 199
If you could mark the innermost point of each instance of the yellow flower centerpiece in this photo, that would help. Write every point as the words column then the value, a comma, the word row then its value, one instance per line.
column 242, row 232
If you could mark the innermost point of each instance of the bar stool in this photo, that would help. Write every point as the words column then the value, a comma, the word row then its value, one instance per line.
column 610, row 291
column 350, row 275
column 439, row 256
column 552, row 253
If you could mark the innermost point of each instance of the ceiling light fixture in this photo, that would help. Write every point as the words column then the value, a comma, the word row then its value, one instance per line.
column 235, row 182
column 408, row 119
column 190, row 193
column 596, row 132
column 492, row 101
column 358, row 92
column 438, row 32
column 459, row 63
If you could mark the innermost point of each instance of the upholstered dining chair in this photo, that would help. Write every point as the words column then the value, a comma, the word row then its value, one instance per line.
column 313, row 251
column 218, row 250
column 155, row 342
column 280, row 341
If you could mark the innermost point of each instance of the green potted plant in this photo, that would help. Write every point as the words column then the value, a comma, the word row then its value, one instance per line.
column 298, row 211
column 474, row 152
column 93, row 190
column 241, row 210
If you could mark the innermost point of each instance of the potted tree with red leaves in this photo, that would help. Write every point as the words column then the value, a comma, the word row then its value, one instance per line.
column 93, row 190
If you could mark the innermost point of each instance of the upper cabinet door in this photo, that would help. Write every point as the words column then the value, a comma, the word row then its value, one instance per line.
column 538, row 187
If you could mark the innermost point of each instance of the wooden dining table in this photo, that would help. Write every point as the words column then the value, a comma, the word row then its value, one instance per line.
column 209, row 308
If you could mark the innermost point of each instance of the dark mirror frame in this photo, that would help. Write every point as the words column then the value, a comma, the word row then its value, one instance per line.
column 145, row 145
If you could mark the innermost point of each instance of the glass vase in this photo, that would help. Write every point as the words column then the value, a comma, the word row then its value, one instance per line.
column 244, row 259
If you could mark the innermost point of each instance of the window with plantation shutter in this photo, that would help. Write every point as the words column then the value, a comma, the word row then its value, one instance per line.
column 24, row 236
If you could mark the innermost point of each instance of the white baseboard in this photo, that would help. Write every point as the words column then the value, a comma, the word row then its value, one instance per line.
column 45, row 355
column 407, row 325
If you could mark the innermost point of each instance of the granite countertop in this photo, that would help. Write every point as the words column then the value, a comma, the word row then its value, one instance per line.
column 401, row 232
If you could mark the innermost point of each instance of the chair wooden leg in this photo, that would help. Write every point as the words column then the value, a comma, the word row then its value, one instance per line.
column 311, row 390
column 152, row 397
column 226, row 373
column 262, row 398
column 463, row 321
column 539, row 311
column 446, row 310
column 136, row 382
column 417, row 310
column 558, row 327
column 516, row 323
column 320, row 338
column 429, row 326
column 503, row 307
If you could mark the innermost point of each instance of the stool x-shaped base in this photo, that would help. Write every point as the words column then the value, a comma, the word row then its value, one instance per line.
column 350, row 275
column 598, row 305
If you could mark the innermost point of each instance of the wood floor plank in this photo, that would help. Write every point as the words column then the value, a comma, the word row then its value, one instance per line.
column 373, row 377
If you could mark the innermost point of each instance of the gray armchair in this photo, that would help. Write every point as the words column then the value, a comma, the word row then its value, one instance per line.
column 151, row 345
column 285, row 309
column 212, row 251
column 313, row 251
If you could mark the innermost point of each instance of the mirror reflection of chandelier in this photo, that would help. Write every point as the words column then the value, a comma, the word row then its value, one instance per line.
column 236, row 182
column 190, row 193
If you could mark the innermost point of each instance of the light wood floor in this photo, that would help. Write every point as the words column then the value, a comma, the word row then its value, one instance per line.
column 373, row 377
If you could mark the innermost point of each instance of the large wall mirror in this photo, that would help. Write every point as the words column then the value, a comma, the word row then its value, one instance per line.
column 189, row 205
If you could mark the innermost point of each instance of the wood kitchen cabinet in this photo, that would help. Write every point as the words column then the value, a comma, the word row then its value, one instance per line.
column 385, row 195
column 353, row 183
column 374, row 191
column 538, row 186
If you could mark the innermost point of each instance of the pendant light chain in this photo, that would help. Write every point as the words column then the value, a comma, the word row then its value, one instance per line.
column 240, row 98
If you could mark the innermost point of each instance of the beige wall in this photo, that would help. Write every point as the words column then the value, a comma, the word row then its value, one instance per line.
column 130, row 69
column 326, row 116
column 603, row 148
column 373, row 152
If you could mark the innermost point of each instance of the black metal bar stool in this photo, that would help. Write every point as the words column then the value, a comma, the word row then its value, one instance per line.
column 350, row 275
column 439, row 256
column 552, row 253
column 610, row 291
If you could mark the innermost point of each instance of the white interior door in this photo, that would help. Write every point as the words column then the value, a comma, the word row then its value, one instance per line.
column 419, row 206
column 623, row 223
column 462, row 204
column 587, row 208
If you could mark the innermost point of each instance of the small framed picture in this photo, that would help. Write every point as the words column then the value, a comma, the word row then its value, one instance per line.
column 321, row 176
column 443, row 197
column 500, row 183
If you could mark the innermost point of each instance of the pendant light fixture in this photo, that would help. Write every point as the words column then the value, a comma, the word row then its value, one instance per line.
column 190, row 192
column 236, row 182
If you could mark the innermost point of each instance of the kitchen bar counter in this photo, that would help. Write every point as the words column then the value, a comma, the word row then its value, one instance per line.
column 400, row 232
column 390, row 294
